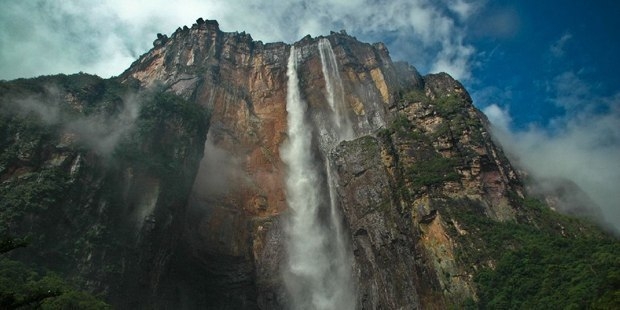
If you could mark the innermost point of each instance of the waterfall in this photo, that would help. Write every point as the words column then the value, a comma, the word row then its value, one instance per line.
column 318, row 272
column 343, row 128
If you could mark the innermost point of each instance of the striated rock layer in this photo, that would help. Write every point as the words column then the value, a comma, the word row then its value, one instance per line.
column 398, row 218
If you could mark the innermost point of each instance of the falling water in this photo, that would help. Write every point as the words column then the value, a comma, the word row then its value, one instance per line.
column 343, row 130
column 318, row 276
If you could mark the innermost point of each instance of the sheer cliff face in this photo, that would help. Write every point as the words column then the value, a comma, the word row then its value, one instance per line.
column 97, row 174
column 423, row 155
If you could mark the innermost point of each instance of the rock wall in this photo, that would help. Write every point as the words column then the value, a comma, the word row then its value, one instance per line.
column 404, row 256
column 398, row 187
column 422, row 156
column 99, row 188
column 232, row 231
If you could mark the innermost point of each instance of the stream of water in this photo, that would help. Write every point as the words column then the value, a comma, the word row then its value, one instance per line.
column 318, row 274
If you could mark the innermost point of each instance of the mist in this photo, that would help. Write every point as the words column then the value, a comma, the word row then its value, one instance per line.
column 98, row 132
column 220, row 171
column 582, row 145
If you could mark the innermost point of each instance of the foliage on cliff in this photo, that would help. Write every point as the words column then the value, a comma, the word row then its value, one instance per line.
column 539, row 259
column 548, row 260
column 24, row 287
column 562, row 262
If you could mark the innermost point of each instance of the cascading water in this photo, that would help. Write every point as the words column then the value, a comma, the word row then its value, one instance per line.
column 318, row 275
column 342, row 127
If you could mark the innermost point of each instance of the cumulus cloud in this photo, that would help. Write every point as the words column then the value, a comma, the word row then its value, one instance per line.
column 46, row 37
column 582, row 145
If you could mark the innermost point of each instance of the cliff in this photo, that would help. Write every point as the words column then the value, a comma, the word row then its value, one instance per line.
column 96, row 175
column 410, row 182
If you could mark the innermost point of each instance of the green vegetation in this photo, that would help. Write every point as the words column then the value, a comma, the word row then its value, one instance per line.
column 26, row 288
column 433, row 171
column 401, row 124
column 31, row 193
column 448, row 105
column 553, row 272
column 403, row 127
column 416, row 95
column 167, row 124
column 563, row 264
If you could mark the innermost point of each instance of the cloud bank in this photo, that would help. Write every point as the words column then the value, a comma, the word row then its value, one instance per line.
column 47, row 37
column 583, row 145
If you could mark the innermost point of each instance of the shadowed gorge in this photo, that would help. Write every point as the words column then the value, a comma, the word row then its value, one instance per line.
column 222, row 172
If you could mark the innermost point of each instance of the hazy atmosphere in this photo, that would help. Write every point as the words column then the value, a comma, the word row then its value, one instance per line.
column 545, row 74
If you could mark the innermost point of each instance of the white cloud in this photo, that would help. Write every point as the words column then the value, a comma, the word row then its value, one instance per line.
column 583, row 145
column 557, row 48
column 105, row 37
column 570, row 92
column 462, row 8
column 499, row 117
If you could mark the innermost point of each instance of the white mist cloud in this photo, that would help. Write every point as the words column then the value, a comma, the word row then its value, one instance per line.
column 500, row 118
column 46, row 37
column 98, row 132
column 583, row 145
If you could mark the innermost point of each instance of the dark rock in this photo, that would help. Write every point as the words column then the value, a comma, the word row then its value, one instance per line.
column 428, row 217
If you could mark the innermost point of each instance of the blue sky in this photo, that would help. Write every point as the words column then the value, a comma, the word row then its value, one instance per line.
column 551, row 38
column 544, row 72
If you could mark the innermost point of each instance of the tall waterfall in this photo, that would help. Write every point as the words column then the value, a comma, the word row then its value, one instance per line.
column 342, row 127
column 318, row 274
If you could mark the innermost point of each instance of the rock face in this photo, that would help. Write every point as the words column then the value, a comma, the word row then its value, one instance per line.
column 421, row 159
column 403, row 257
column 233, row 230
column 99, row 187
column 400, row 188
